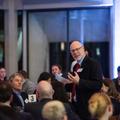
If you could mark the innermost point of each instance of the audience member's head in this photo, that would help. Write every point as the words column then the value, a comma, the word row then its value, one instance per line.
column 45, row 76
column 56, row 69
column 54, row 110
column 106, row 85
column 44, row 90
column 100, row 106
column 16, row 81
column 110, row 89
column 24, row 74
column 5, row 92
column 2, row 73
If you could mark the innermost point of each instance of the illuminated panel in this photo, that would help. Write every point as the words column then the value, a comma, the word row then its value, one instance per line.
column 116, row 47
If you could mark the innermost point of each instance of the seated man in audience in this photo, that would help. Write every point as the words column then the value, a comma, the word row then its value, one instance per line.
column 44, row 93
column 6, row 111
column 19, row 98
column 54, row 110
column 100, row 106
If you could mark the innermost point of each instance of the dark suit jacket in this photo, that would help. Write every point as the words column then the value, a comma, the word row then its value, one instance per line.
column 70, row 113
column 8, row 113
column 16, row 101
column 36, row 109
column 90, row 82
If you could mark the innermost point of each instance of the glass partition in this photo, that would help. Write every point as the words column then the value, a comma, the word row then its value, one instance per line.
column 50, row 33
column 92, row 27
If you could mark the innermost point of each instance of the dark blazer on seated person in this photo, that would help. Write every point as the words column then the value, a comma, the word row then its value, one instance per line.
column 16, row 102
column 35, row 108
column 10, row 114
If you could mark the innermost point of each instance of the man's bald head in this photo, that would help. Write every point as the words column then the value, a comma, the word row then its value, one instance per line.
column 44, row 90
column 75, row 44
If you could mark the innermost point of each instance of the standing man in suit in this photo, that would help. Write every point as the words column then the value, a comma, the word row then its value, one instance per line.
column 87, row 78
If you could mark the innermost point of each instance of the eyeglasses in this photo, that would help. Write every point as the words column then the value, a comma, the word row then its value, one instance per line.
column 77, row 49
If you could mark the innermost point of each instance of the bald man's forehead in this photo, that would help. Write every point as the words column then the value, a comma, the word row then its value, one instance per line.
column 42, row 84
column 75, row 44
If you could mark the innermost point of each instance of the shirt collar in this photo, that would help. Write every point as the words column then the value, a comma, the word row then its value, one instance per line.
column 81, row 60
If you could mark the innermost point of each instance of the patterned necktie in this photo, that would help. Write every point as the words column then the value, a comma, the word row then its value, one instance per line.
column 75, row 69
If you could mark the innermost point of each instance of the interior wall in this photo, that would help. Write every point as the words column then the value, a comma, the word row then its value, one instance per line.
column 1, row 3
column 38, row 49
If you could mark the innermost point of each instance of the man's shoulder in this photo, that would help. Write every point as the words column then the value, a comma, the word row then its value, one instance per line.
column 14, row 115
column 25, row 116
column 38, row 103
column 32, row 104
column 35, row 106
column 91, row 61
